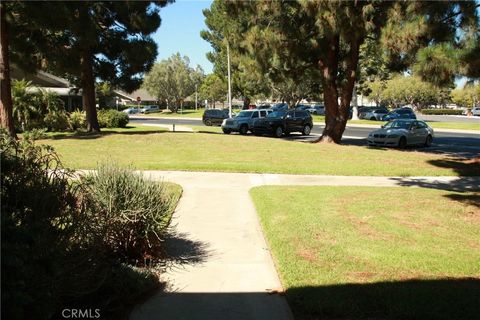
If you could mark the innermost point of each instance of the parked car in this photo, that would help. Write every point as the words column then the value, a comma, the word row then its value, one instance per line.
column 131, row 110
column 400, row 113
column 317, row 109
column 280, row 107
column 214, row 117
column 373, row 114
column 476, row 111
column 149, row 109
column 243, row 121
column 284, row 122
column 401, row 133
column 302, row 107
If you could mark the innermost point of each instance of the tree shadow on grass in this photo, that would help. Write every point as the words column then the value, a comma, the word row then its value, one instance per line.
column 442, row 299
column 466, row 186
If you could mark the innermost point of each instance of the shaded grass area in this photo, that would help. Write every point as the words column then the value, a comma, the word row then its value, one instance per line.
column 382, row 253
column 235, row 153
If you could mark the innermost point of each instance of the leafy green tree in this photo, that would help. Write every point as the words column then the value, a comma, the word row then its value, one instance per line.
column 172, row 80
column 247, row 81
column 402, row 90
column 213, row 89
column 466, row 97
column 103, row 91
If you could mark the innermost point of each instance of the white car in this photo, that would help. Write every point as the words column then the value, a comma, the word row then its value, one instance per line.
column 149, row 109
column 401, row 133
column 476, row 111
column 131, row 110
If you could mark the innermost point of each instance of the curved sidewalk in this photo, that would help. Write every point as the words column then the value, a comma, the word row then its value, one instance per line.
column 226, row 270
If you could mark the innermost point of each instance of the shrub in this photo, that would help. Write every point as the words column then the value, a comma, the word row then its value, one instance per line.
column 52, row 254
column 56, row 121
column 38, row 222
column 78, row 120
column 134, row 214
column 112, row 119
column 35, row 134
column 442, row 111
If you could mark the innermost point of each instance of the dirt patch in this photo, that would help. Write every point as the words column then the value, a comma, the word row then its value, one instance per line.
column 361, row 276
column 307, row 254
column 365, row 229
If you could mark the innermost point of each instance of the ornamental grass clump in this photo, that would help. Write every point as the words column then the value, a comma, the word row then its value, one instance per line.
column 132, row 213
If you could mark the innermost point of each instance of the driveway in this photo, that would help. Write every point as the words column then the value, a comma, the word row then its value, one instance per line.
column 223, row 268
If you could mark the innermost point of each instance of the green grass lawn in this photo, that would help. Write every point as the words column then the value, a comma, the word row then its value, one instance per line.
column 377, row 253
column 235, row 153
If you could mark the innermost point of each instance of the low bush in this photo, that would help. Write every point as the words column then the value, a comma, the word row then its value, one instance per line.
column 39, row 218
column 442, row 111
column 56, row 121
column 112, row 119
column 78, row 120
column 133, row 213
column 35, row 134
column 54, row 254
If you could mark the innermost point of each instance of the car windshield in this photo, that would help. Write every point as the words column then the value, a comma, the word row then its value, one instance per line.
column 398, row 125
column 276, row 114
column 245, row 114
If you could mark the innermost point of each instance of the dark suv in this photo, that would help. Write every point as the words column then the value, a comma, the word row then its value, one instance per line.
column 401, row 113
column 214, row 116
column 284, row 122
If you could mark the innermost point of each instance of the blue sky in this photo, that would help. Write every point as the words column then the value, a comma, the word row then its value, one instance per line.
column 182, row 22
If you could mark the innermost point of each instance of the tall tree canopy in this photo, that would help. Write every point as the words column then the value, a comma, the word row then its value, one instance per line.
column 286, row 38
column 173, row 80
column 85, row 40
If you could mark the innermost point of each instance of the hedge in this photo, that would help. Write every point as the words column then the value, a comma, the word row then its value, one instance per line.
column 442, row 111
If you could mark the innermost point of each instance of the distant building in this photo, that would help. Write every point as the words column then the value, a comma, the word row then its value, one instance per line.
column 71, row 95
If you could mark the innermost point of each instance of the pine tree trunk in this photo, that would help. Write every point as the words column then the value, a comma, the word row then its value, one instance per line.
column 6, row 105
column 335, row 121
column 88, row 93
column 336, row 114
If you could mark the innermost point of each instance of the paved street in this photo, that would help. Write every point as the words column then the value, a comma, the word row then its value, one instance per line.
column 445, row 142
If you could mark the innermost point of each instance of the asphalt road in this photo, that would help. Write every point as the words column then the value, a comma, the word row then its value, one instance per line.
column 436, row 118
column 449, row 143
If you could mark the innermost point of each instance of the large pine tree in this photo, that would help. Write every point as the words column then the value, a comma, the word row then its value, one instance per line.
column 86, row 40
column 286, row 37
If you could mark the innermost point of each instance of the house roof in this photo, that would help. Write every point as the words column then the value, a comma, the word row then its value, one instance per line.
column 143, row 94
column 40, row 78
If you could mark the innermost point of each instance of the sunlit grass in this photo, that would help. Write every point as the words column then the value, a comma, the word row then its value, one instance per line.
column 324, row 239
column 144, row 148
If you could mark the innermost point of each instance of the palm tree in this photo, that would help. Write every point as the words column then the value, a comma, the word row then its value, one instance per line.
column 23, row 102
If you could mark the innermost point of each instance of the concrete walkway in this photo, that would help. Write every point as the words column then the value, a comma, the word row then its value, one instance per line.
column 226, row 270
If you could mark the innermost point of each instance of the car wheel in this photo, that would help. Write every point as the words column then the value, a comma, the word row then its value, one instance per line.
column 402, row 143
column 208, row 122
column 243, row 129
column 278, row 132
column 428, row 141
column 373, row 118
column 227, row 131
column 306, row 130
